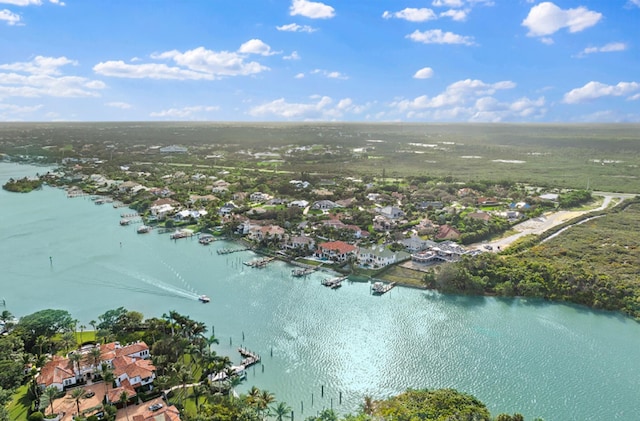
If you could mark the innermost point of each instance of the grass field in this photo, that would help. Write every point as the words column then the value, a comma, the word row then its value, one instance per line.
column 601, row 157
column 19, row 406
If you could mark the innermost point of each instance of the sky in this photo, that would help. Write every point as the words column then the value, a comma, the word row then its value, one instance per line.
column 336, row 60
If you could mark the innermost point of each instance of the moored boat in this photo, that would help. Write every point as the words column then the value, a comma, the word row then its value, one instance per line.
column 143, row 229
column 204, row 299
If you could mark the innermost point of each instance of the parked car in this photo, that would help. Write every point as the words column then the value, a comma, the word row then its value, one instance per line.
column 155, row 407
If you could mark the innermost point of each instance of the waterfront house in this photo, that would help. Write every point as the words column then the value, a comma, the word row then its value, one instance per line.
column 415, row 244
column 227, row 208
column 258, row 233
column 337, row 251
column 376, row 256
column 299, row 242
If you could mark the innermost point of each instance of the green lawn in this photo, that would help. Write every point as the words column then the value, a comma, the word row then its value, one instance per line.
column 19, row 405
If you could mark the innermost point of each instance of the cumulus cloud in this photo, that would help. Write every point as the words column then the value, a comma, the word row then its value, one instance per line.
column 299, row 76
column 635, row 3
column 43, row 77
column 459, row 15
column 30, row 2
column 293, row 56
column 594, row 90
column 9, row 17
column 189, row 113
column 311, row 9
column 437, row 36
column 424, row 73
column 471, row 100
column 318, row 108
column 546, row 19
column 121, row 105
column 329, row 74
column 607, row 48
column 412, row 14
column 447, row 3
column 256, row 46
column 197, row 64
column 294, row 27
column 11, row 112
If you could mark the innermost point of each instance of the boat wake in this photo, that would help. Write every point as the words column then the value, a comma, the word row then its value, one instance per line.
column 171, row 290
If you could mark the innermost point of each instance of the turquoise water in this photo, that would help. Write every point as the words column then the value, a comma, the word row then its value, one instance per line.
column 554, row 361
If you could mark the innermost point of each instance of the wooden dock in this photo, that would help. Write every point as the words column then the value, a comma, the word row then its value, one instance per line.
column 259, row 263
column 229, row 251
column 249, row 358
column 181, row 234
column 334, row 283
column 380, row 288
column 302, row 272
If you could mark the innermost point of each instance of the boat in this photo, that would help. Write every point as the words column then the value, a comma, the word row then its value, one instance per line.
column 206, row 239
column 143, row 229
column 125, row 221
column 204, row 299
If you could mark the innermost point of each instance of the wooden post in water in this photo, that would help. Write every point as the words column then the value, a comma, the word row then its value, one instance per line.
column 263, row 368
column 322, row 391
column 272, row 351
column 291, row 415
column 229, row 340
column 312, row 400
column 301, row 407
column 340, row 398
column 332, row 404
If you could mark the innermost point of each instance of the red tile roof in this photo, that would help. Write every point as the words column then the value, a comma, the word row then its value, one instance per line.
column 340, row 246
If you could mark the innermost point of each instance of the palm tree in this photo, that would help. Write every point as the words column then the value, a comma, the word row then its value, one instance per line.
column 93, row 324
column 67, row 341
column 76, row 395
column 234, row 381
column 368, row 406
column 108, row 376
column 124, row 397
column 199, row 390
column 48, row 396
column 280, row 411
column 41, row 341
column 75, row 358
column 95, row 354
column 211, row 340
column 184, row 377
column 82, row 328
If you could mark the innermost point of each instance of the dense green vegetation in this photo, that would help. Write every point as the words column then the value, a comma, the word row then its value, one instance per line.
column 594, row 263
column 23, row 185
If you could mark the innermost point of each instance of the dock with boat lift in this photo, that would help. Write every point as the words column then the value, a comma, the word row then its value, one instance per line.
column 249, row 358
column 334, row 283
column 380, row 288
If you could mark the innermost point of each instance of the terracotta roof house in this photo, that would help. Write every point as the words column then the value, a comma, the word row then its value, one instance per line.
column 270, row 231
column 110, row 351
column 58, row 373
column 113, row 396
column 166, row 413
column 447, row 232
column 135, row 372
column 338, row 251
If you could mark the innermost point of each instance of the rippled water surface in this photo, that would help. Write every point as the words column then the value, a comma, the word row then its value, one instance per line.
column 548, row 360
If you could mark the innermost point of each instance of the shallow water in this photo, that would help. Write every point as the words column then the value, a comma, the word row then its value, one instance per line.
column 547, row 360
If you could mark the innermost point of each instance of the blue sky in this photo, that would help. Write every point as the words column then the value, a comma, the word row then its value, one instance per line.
column 301, row 60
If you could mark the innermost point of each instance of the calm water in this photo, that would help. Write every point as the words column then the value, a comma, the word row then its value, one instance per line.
column 549, row 360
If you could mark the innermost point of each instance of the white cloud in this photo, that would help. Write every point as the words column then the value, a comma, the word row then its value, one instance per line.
column 196, row 64
column 9, row 17
column 447, row 3
column 293, row 56
column 294, row 27
column 546, row 18
column 437, row 36
column 42, row 77
column 412, row 14
column 256, row 46
column 329, row 74
column 299, row 76
column 424, row 73
column 121, row 105
column 607, row 48
column 457, row 94
column 319, row 108
column 458, row 15
column 633, row 3
column 185, row 112
column 311, row 9
column 11, row 112
column 30, row 2
column 594, row 90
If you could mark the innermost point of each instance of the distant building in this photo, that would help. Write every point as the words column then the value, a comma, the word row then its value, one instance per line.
column 173, row 149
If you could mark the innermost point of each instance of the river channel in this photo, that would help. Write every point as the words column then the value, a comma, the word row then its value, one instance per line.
column 320, row 348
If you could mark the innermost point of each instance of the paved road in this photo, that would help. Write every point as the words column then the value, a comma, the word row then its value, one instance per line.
column 549, row 220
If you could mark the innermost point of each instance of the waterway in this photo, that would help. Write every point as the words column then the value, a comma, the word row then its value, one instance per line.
column 554, row 361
